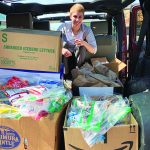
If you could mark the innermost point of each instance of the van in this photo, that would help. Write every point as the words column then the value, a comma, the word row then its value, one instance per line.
column 127, row 39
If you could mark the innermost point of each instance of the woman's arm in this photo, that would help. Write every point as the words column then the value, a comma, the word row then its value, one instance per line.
column 89, row 41
column 66, row 52
column 89, row 47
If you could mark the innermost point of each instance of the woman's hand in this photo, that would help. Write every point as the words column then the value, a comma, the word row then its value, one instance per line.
column 66, row 52
column 79, row 42
column 89, row 48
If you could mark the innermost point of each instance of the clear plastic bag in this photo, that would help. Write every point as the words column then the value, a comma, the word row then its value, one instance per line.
column 7, row 111
column 116, row 110
column 41, row 94
column 11, row 79
column 36, row 100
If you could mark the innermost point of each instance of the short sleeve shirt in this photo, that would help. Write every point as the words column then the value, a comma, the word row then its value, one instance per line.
column 85, row 33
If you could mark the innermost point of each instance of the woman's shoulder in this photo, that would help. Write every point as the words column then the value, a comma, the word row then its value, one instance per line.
column 85, row 28
column 61, row 26
column 64, row 26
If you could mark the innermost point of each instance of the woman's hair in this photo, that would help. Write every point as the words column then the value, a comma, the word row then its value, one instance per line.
column 77, row 8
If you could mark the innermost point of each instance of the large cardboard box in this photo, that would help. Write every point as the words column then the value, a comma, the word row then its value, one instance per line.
column 117, row 138
column 26, row 133
column 30, row 49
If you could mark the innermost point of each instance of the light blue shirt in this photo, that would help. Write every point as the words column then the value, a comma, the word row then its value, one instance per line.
column 68, row 37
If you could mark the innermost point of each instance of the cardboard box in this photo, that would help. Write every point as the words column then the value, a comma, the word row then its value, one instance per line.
column 116, row 65
column 26, row 133
column 117, row 138
column 30, row 49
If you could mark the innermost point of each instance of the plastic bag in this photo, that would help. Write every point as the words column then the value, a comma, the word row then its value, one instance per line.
column 11, row 79
column 36, row 101
column 114, row 111
column 7, row 111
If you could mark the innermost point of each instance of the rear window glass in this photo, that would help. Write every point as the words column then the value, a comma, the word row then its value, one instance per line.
column 2, row 21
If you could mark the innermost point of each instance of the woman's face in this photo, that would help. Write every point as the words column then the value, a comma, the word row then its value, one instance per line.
column 77, row 18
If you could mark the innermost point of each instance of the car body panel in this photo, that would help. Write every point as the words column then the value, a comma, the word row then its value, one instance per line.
column 38, row 8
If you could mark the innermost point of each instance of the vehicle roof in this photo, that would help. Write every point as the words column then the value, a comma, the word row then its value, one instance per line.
column 40, row 8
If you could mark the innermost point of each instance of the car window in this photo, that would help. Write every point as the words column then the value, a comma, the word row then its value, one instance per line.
column 2, row 21
column 54, row 25
column 47, row 2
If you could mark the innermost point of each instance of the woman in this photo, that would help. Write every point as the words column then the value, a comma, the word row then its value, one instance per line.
column 77, row 39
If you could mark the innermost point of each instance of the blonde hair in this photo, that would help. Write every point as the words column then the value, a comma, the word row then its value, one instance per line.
column 77, row 8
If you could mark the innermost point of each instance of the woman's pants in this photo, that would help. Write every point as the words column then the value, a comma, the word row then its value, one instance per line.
column 76, row 60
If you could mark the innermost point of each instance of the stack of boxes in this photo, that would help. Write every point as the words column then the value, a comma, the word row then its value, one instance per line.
column 35, row 50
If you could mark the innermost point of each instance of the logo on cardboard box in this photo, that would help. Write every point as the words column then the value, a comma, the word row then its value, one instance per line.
column 124, row 145
column 9, row 138
column 127, row 145
column 27, row 48
column 4, row 37
column 6, row 61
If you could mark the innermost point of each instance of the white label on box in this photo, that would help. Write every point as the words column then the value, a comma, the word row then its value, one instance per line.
column 96, row 91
